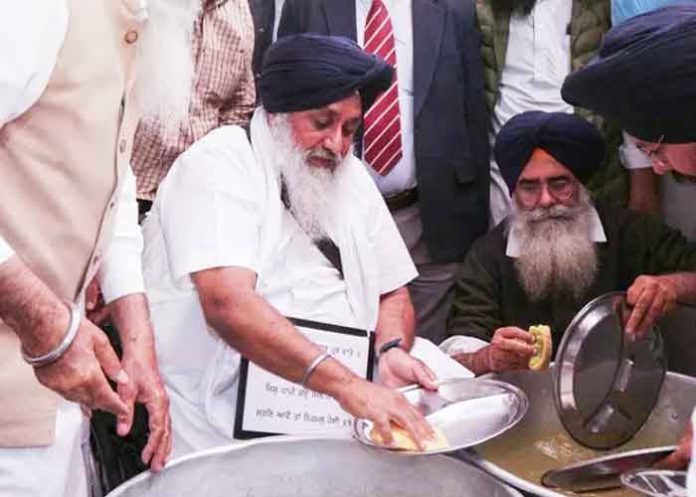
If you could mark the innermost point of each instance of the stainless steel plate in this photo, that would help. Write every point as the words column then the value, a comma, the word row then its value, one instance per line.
column 656, row 483
column 607, row 382
column 468, row 411
column 603, row 472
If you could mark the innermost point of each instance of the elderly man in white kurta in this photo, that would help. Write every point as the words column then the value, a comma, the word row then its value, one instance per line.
column 232, row 248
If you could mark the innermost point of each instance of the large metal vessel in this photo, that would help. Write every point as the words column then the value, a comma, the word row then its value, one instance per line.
column 539, row 443
column 285, row 467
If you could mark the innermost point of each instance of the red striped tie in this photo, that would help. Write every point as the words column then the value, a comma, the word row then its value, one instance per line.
column 382, row 138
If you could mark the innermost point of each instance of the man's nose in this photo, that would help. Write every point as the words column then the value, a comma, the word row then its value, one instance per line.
column 545, row 197
column 334, row 141
column 660, row 166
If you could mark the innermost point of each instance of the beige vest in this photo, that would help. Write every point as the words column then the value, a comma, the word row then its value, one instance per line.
column 60, row 164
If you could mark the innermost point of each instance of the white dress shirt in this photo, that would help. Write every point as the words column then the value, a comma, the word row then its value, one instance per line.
column 220, row 206
column 536, row 63
column 35, row 29
column 403, row 174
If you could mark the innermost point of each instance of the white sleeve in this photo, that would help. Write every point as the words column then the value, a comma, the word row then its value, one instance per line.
column 460, row 344
column 211, row 205
column 5, row 251
column 31, row 34
column 121, row 271
column 631, row 156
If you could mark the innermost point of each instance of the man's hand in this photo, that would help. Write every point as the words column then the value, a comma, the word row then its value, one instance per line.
column 97, row 311
column 79, row 374
column 679, row 459
column 146, row 387
column 131, row 317
column 398, row 368
column 510, row 349
column 383, row 406
column 650, row 297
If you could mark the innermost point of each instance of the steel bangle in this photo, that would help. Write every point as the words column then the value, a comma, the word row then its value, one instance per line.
column 63, row 346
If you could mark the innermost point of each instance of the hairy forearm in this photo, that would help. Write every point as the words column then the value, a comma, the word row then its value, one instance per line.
column 397, row 318
column 131, row 317
column 684, row 285
column 253, row 327
column 30, row 308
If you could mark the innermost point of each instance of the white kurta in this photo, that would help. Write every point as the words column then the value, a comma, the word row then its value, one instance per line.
column 220, row 206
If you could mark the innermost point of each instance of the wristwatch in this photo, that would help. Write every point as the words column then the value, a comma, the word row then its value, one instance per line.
column 388, row 345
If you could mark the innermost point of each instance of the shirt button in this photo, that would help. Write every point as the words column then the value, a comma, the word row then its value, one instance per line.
column 122, row 146
column 131, row 36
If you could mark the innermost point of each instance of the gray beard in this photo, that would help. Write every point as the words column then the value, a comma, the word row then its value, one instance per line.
column 557, row 255
column 164, row 64
column 311, row 191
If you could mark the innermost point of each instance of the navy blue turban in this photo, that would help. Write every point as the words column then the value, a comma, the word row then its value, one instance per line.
column 310, row 71
column 644, row 76
column 571, row 140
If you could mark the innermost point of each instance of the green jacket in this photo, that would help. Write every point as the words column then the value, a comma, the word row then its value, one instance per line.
column 488, row 294
column 590, row 20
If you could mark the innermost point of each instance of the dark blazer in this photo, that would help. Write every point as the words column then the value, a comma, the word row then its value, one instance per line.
column 263, row 12
column 451, row 121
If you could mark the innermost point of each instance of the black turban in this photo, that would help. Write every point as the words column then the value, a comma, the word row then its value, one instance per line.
column 571, row 140
column 644, row 76
column 310, row 71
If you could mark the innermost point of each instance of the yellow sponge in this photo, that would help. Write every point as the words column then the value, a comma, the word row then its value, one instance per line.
column 543, row 347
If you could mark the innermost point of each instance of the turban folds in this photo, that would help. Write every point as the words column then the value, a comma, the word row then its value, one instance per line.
column 569, row 139
column 309, row 71
column 644, row 76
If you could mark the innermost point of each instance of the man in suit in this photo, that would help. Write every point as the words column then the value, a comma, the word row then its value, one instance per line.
column 424, row 141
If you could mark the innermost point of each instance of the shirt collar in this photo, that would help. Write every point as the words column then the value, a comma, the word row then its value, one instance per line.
column 597, row 235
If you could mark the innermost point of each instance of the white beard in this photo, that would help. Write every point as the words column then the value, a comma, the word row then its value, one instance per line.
column 165, row 66
column 311, row 190
column 557, row 255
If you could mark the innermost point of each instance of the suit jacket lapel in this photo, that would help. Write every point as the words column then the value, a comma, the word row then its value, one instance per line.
column 340, row 18
column 428, row 25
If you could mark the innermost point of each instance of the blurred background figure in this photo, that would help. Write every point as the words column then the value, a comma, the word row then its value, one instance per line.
column 198, row 76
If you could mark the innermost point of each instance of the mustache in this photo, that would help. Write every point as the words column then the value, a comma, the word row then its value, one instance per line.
column 324, row 154
column 560, row 212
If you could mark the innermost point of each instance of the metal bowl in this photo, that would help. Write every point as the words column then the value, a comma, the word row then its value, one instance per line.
column 312, row 467
column 469, row 411
column 539, row 442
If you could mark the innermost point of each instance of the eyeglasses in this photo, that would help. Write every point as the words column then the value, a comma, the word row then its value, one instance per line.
column 561, row 188
column 652, row 151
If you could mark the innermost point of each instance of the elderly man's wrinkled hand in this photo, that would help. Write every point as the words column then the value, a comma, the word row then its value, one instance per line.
column 95, row 308
column 650, row 297
column 80, row 375
column 146, row 387
column 398, row 368
column 383, row 406
column 679, row 459
column 510, row 349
